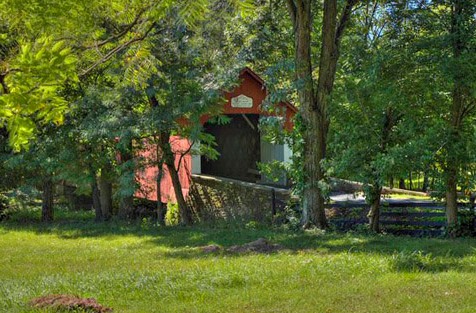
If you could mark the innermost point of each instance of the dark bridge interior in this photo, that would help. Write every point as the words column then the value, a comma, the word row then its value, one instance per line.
column 239, row 147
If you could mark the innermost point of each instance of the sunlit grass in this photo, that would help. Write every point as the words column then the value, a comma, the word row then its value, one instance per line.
column 139, row 267
column 407, row 197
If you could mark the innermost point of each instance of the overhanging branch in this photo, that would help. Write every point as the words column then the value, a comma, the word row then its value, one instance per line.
column 118, row 49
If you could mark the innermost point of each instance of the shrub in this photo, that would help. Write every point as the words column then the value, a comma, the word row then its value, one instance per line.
column 4, row 205
column 172, row 216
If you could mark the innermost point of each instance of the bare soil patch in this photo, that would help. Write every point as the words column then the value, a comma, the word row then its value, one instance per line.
column 69, row 303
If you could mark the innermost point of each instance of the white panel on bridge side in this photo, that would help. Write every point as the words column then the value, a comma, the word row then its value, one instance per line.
column 269, row 153
column 196, row 158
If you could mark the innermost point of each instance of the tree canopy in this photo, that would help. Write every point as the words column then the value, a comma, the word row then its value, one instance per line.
column 384, row 91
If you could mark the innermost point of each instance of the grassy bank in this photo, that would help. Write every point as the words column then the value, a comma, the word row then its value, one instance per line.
column 143, row 268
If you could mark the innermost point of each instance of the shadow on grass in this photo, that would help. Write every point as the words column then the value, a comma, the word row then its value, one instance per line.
column 404, row 253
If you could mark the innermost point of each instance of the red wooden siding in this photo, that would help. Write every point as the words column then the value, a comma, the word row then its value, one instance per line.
column 148, row 175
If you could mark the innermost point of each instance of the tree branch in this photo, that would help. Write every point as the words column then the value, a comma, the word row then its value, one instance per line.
column 344, row 20
column 116, row 50
column 292, row 11
column 184, row 153
column 122, row 33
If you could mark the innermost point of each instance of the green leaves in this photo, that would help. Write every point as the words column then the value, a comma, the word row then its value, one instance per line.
column 34, row 79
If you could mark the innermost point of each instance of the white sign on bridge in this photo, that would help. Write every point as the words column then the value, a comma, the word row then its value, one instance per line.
column 242, row 101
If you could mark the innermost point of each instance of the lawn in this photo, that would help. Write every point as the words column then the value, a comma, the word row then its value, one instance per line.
column 143, row 268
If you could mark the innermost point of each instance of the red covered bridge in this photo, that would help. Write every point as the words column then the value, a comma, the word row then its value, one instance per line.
column 240, row 144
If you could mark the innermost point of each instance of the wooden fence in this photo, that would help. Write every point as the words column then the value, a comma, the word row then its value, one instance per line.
column 402, row 218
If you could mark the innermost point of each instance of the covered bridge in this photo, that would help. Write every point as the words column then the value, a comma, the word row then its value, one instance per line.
column 239, row 142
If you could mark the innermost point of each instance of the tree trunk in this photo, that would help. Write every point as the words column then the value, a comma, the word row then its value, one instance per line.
column 313, row 196
column 184, row 211
column 314, row 99
column 161, row 207
column 456, row 116
column 48, row 198
column 451, row 198
column 374, row 211
column 126, row 203
column 426, row 182
column 169, row 159
column 312, row 201
column 96, row 200
column 401, row 183
column 105, row 191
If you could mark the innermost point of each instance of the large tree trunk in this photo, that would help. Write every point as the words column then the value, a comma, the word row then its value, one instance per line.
column 313, row 197
column 302, row 18
column 126, row 202
column 48, row 198
column 314, row 99
column 105, row 191
column 169, row 159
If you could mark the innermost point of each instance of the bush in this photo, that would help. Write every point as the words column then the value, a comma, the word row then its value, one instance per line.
column 465, row 226
column 172, row 216
column 4, row 205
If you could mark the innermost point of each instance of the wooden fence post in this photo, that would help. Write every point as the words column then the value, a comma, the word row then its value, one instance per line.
column 273, row 203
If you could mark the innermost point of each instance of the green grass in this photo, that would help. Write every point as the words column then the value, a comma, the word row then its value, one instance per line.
column 407, row 197
column 142, row 268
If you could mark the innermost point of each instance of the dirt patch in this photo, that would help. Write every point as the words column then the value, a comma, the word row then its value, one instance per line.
column 260, row 245
column 211, row 249
column 69, row 303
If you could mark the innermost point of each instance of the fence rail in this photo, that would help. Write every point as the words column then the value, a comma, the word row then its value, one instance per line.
column 401, row 218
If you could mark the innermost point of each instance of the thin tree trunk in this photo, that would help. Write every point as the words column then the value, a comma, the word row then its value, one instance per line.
column 456, row 117
column 401, row 183
column 126, row 203
column 169, row 159
column 96, row 200
column 48, row 199
column 374, row 211
column 451, row 198
column 161, row 207
column 375, row 192
column 426, row 184
column 105, row 191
